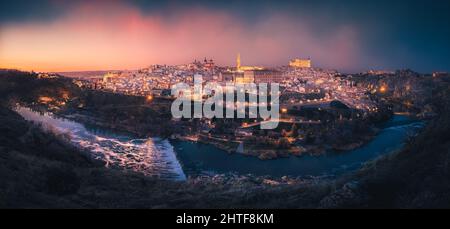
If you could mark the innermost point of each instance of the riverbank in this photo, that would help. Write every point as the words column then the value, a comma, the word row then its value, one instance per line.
column 196, row 158
column 39, row 171
column 253, row 148
column 249, row 148
column 44, row 179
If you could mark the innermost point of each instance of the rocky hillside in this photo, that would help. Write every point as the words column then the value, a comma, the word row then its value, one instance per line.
column 416, row 177
column 38, row 169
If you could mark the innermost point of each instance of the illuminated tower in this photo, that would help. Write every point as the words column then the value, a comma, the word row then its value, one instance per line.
column 238, row 62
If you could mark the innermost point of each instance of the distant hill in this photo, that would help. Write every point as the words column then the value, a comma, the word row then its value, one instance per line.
column 85, row 74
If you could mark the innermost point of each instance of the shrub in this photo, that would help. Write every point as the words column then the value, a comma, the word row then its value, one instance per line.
column 62, row 181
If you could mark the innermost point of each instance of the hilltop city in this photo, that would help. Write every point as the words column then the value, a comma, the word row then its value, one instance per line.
column 320, row 109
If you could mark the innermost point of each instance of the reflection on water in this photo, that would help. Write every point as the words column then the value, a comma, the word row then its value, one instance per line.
column 197, row 158
column 156, row 157
column 152, row 156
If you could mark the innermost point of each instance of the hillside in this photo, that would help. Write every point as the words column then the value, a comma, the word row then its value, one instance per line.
column 415, row 177
column 39, row 169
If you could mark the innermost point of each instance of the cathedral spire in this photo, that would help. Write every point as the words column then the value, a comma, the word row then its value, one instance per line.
column 238, row 61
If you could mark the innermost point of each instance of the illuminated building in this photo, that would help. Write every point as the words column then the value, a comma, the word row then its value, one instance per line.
column 440, row 74
column 46, row 76
column 267, row 76
column 244, row 77
column 300, row 63
column 250, row 68
column 261, row 76
column 110, row 75
column 251, row 74
column 208, row 64
column 239, row 67
column 238, row 62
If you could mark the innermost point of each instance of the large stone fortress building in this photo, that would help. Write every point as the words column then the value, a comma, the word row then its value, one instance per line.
column 300, row 63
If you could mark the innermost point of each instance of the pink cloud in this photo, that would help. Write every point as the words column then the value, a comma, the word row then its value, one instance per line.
column 117, row 36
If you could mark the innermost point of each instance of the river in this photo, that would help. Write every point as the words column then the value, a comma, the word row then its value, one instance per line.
column 176, row 159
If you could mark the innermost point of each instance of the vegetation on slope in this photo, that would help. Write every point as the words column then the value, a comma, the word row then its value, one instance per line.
column 38, row 169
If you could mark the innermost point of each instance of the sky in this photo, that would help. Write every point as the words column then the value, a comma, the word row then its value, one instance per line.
column 346, row 35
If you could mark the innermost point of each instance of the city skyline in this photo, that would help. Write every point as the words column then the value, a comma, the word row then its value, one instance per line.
column 115, row 35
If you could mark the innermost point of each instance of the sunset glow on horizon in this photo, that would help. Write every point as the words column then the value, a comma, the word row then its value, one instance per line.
column 111, row 35
column 120, row 36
